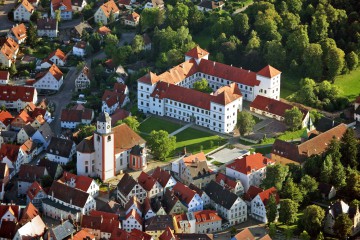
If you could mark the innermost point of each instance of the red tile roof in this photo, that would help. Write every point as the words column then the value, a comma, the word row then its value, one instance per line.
column 81, row 182
column 265, row 195
column 124, row 2
column 133, row 213
column 13, row 209
column 19, row 31
column 33, row 190
column 109, row 7
column 4, row 75
column 197, row 52
column 119, row 114
column 68, row 194
column 195, row 157
column 104, row 30
column 24, row 116
column 149, row 78
column 206, row 216
column 227, row 182
column 72, row 115
column 244, row 235
column 8, row 229
column 60, row 54
column 83, row 234
column 168, row 235
column 183, row 192
column 81, row 45
column 10, row 151
column 13, row 93
column 252, row 192
column 133, row 17
column 269, row 72
column 146, row 181
column 29, row 213
column 58, row 3
column 125, row 138
column 250, row 163
column 53, row 70
column 161, row 176
column 9, row 48
column 273, row 106
column 6, row 117
column 100, row 222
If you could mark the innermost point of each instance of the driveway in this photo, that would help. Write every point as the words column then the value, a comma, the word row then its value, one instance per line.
column 5, row 24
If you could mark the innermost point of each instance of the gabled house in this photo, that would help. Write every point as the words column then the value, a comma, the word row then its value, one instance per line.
column 188, row 197
column 111, row 100
column 150, row 185
column 327, row 191
column 28, row 213
column 78, row 30
column 250, row 169
column 18, row 32
column 8, row 51
column 23, row 11
column 172, row 204
column 244, row 234
column 79, row 49
column 52, row 79
column 251, row 193
column 82, row 183
column 57, row 57
column 21, row 121
column 147, row 210
column 65, row 8
column 83, row 234
column 133, row 203
column 184, row 223
column 100, row 224
column 47, row 27
column 54, row 169
column 202, row 194
column 27, row 175
column 258, row 204
column 35, row 194
column 103, row 13
column 132, row 19
column 103, row 31
column 17, row 97
column 43, row 135
column 83, row 80
column 155, row 207
column 230, row 184
column 205, row 221
column 60, row 150
column 128, row 188
column 78, row 5
column 4, row 77
column 132, row 221
column 164, row 178
column 9, row 213
column 13, row 156
column 227, row 204
column 64, row 201
column 4, row 179
column 32, row 229
column 5, row 120
column 25, row 133
column 30, row 149
column 156, row 225
column 71, row 118
column 119, row 114
column 210, row 5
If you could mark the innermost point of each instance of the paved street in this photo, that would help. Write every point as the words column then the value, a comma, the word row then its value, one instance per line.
column 5, row 24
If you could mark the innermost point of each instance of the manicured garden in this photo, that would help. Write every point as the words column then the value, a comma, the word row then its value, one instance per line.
column 155, row 123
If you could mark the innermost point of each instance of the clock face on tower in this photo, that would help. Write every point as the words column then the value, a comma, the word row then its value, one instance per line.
column 108, row 127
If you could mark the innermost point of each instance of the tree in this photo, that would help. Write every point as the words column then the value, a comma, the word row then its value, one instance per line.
column 275, row 176
column 121, row 55
column 111, row 42
column 161, row 144
column 95, row 41
column 338, row 175
column 308, row 186
column 334, row 149
column 353, row 183
column 177, row 15
column 297, row 42
column 111, row 17
column 58, row 15
column 319, row 27
column 202, row 86
column 132, row 122
column 13, row 69
column 241, row 24
column 312, row 219
column 320, row 236
column 254, row 42
column 343, row 226
column 304, row 236
column 85, row 131
column 292, row 191
column 315, row 115
column 138, row 44
column 293, row 118
column 312, row 59
column 287, row 211
column 275, row 53
column 271, row 209
column 245, row 122
column 334, row 62
column 349, row 149
column 352, row 60
column 326, row 169
column 80, row 66
column 151, row 18
column 32, row 35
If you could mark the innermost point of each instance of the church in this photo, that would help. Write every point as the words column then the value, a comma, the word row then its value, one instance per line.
column 110, row 150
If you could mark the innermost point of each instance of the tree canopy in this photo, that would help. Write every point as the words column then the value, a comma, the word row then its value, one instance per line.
column 245, row 122
column 161, row 144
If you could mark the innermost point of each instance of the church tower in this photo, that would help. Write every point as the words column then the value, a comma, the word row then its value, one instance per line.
column 104, row 147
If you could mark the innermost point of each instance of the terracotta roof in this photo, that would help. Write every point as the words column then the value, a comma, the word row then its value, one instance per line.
column 125, row 138
column 273, row 106
column 81, row 182
column 29, row 213
column 208, row 4
column 83, row 234
column 29, row 146
column 269, row 72
column 25, row 117
column 149, row 78
column 19, row 31
column 13, row 209
column 206, row 216
column 133, row 213
column 72, row 115
column 119, row 114
column 4, row 75
column 220, row 195
column 47, row 24
column 197, row 52
column 60, row 54
column 229, row 183
column 244, row 235
column 6, row 117
column 313, row 146
column 167, row 235
column 104, row 30
column 133, row 202
column 8, row 229
column 68, row 194
column 58, row 3
column 10, row 151
column 266, row 237
column 161, row 176
column 109, row 7
column 265, row 195
column 191, row 236
column 252, row 192
column 250, row 163
column 30, row 173
column 135, row 234
column 183, row 192
column 33, row 190
column 146, row 181
column 159, row 223
column 112, row 97
column 13, row 93
column 8, row 48
column 100, row 221
column 86, row 145
column 133, row 17
column 53, row 70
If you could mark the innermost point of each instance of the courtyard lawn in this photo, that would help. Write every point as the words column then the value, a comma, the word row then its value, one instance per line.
column 349, row 84
column 155, row 123
column 194, row 140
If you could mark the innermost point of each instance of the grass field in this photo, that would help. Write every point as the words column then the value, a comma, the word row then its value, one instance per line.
column 155, row 123
column 288, row 135
column 289, row 85
column 194, row 140
column 349, row 84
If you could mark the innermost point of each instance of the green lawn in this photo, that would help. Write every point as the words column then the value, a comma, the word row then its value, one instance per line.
column 349, row 84
column 289, row 85
column 155, row 123
column 263, row 150
column 193, row 139
column 288, row 135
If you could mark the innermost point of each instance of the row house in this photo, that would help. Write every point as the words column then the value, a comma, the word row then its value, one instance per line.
column 132, row 220
column 205, row 221
column 60, row 150
column 164, row 178
column 102, row 15
column 31, row 149
column 17, row 97
column 230, row 184
column 56, row 57
column 26, row 132
column 258, row 204
column 82, row 183
column 73, row 117
column 64, row 201
column 18, row 33
column 172, row 204
column 5, row 120
column 47, row 27
column 4, row 77
column 133, row 203
column 188, row 197
column 150, row 185
column 201, row 193
column 52, row 79
column 156, row 225
column 118, row 98
column 127, row 188
column 13, row 156
column 35, row 195
column 23, row 11
column 8, row 51
column 250, row 169
column 43, row 135
column 229, row 206
column 100, row 224
column 27, row 175
column 83, row 80
column 65, row 8
column 54, row 169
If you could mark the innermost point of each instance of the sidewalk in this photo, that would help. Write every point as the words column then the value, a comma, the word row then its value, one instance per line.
column 181, row 129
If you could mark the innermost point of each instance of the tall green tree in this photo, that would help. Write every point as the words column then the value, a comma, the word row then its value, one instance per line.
column 293, row 118
column 326, row 169
column 202, row 85
column 241, row 24
column 334, row 149
column 352, row 186
column 308, row 187
column 288, row 211
column 151, row 18
column 138, row 44
column 312, row 59
column 111, row 17
column 31, row 35
column 297, row 42
column 85, row 131
column 334, row 62
column 254, row 42
column 275, row 176
column 177, row 15
column 132, row 122
column 292, row 191
column 13, row 69
column 343, row 226
column 319, row 27
column 339, row 175
column 312, row 219
column 271, row 209
column 349, row 149
column 161, row 144
column 275, row 54
column 245, row 122
column 352, row 60
column 304, row 236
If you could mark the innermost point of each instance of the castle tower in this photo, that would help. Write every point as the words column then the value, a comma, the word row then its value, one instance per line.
column 104, row 147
